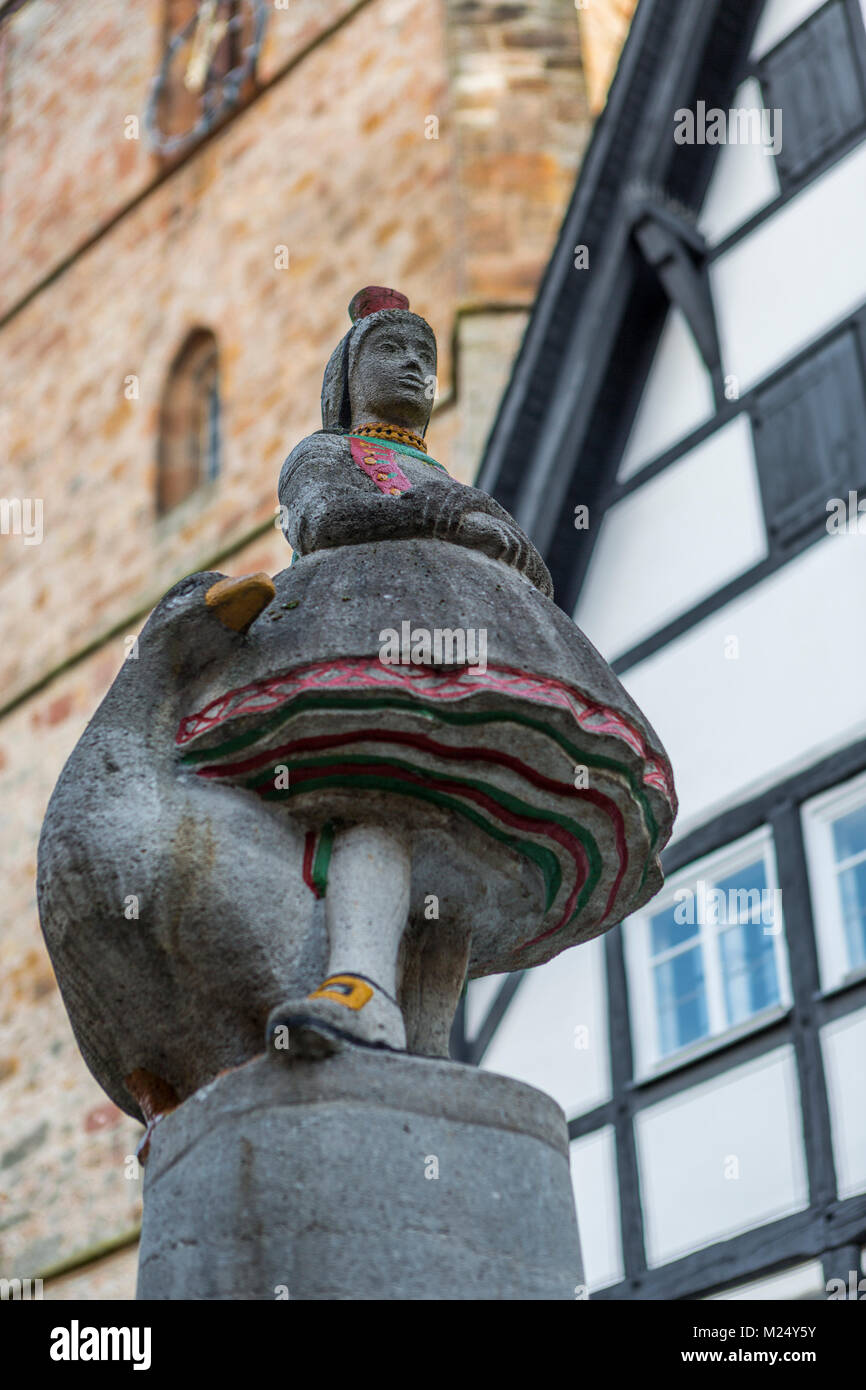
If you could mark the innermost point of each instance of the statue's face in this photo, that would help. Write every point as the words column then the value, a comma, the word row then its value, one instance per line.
column 393, row 377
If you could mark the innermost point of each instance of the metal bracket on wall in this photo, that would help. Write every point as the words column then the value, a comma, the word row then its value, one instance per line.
column 675, row 249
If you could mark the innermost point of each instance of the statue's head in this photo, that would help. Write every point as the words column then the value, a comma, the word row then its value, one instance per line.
column 385, row 367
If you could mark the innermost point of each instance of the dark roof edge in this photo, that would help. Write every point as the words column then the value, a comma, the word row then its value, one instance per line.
column 660, row 59
column 597, row 152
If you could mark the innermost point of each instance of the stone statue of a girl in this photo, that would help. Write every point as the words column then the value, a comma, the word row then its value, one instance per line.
column 337, row 794
column 378, row 389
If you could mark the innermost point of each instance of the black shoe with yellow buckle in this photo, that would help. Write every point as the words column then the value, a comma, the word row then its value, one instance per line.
column 345, row 1009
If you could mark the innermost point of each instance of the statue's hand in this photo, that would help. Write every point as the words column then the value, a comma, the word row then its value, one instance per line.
column 434, row 508
column 465, row 515
column 502, row 539
column 491, row 535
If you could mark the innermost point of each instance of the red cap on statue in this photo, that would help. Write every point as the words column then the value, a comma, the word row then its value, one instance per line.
column 374, row 298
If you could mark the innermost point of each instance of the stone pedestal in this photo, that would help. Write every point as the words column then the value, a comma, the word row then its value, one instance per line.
column 365, row 1176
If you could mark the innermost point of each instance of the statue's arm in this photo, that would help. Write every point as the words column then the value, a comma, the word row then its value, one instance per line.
column 326, row 503
column 324, row 506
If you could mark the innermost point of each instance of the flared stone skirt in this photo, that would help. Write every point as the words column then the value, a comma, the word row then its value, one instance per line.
column 423, row 685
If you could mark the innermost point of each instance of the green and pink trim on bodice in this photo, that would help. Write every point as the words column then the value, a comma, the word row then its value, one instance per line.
column 378, row 460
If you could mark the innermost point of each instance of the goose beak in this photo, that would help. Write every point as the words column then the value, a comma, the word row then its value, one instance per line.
column 238, row 602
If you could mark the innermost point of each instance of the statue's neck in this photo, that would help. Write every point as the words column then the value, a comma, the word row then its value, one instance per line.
column 387, row 430
column 372, row 418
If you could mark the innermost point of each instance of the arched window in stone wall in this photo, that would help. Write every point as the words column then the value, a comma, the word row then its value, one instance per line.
column 189, row 429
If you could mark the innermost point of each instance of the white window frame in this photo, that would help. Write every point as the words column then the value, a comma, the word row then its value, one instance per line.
column 817, row 816
column 648, row 1057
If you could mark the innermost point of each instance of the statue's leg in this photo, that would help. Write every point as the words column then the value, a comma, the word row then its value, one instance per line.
column 434, row 959
column 366, row 911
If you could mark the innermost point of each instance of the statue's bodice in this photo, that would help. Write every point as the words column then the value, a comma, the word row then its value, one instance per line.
column 338, row 490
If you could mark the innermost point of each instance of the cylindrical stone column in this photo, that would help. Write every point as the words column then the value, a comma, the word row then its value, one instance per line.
column 369, row 1175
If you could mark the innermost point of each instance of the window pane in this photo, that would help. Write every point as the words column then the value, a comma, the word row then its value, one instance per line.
column 681, row 1000
column 667, row 932
column 849, row 834
column 852, row 888
column 189, row 440
column 748, row 970
column 744, row 895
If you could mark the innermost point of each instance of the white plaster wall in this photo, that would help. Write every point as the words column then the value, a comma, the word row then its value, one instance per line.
column 721, row 1157
column 480, row 994
column 677, row 398
column 744, row 178
column 677, row 539
column 843, row 1044
column 796, row 690
column 779, row 18
column 803, row 1281
column 593, row 1177
column 795, row 276
column 554, row 1035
